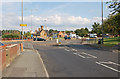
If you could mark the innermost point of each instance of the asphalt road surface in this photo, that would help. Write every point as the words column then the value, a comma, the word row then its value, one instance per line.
column 78, row 61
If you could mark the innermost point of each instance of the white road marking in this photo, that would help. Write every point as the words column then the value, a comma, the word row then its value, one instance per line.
column 79, row 55
column 74, row 50
column 60, row 47
column 114, row 63
column 67, row 50
column 89, row 55
column 47, row 75
column 100, row 63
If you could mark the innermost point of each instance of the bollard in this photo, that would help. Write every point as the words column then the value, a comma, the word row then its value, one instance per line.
column 57, row 41
column 21, row 45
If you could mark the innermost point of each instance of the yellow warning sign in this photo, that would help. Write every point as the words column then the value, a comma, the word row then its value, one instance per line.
column 23, row 24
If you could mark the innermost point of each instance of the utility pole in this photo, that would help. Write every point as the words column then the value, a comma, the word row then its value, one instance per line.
column 102, row 22
column 31, row 19
column 22, row 18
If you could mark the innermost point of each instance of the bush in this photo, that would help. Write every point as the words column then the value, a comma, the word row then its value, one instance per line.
column 10, row 36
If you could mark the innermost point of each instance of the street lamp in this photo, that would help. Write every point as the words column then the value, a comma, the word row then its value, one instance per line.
column 31, row 10
column 102, row 22
column 22, row 18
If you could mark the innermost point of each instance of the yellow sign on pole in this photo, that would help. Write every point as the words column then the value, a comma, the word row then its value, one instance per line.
column 23, row 24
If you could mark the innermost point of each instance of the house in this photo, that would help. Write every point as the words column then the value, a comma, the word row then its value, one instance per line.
column 73, row 35
column 55, row 35
column 41, row 33
column 61, row 34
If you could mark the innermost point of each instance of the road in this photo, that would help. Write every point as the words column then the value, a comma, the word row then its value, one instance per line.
column 76, row 60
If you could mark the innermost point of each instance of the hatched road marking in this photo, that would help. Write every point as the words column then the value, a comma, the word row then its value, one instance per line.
column 103, row 64
column 89, row 55
column 74, row 50
column 67, row 50
column 79, row 55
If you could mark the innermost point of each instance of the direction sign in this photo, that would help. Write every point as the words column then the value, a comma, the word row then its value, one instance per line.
column 23, row 24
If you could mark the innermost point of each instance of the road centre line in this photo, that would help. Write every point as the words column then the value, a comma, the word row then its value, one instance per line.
column 100, row 63
column 79, row 55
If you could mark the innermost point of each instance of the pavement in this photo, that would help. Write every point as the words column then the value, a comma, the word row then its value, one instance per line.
column 28, row 64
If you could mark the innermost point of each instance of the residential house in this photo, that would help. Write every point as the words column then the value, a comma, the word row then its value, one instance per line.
column 61, row 34
column 41, row 33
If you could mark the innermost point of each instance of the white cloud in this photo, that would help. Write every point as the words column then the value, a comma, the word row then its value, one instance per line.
column 78, row 20
column 12, row 21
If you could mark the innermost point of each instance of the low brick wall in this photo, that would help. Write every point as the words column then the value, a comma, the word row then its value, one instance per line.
column 8, row 54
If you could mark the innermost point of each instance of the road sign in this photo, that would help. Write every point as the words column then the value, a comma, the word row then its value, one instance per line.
column 23, row 24
column 31, row 35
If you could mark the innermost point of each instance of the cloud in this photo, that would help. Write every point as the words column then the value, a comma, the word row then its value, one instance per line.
column 97, row 19
column 59, row 22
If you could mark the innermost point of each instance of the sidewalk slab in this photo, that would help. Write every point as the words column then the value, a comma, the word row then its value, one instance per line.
column 28, row 64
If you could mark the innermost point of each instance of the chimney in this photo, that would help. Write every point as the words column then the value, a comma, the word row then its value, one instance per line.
column 41, row 27
column 35, row 30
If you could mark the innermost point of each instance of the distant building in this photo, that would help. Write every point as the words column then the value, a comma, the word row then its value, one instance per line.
column 55, row 35
column 73, row 35
column 41, row 33
column 61, row 34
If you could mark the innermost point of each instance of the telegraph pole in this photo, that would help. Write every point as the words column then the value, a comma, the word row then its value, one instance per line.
column 102, row 22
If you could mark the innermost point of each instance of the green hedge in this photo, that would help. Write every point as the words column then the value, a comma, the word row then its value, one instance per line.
column 10, row 36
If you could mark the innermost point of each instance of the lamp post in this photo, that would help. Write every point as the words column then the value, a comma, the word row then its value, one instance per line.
column 31, row 10
column 102, row 22
column 22, row 18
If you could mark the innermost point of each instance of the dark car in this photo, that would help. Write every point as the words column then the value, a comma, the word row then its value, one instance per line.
column 1, row 44
column 39, row 39
column 65, row 37
column 68, row 38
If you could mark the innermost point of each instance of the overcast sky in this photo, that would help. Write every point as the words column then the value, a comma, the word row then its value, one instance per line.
column 53, row 15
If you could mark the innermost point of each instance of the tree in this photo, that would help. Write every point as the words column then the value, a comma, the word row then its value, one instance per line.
column 96, row 28
column 67, row 32
column 28, row 34
column 81, row 32
column 51, row 31
column 112, row 24
column 115, row 6
column 87, row 30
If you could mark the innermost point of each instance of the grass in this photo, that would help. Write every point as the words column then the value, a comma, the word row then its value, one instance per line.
column 111, row 41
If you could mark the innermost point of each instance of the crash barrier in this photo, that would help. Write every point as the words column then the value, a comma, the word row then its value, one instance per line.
column 8, row 54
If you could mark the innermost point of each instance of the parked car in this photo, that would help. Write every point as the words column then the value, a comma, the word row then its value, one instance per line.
column 78, row 37
column 65, row 37
column 1, row 44
column 39, row 39
column 93, row 35
column 68, row 38
column 106, row 36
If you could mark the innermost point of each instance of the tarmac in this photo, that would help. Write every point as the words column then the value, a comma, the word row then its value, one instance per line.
column 27, row 64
